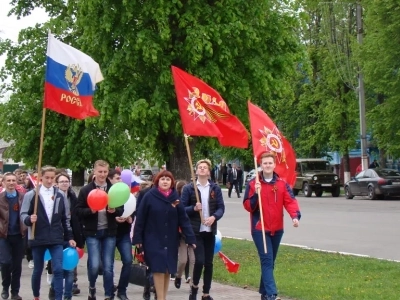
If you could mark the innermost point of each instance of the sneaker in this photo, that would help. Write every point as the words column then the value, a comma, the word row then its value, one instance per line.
column 188, row 279
column 109, row 298
column 52, row 294
column 208, row 297
column 67, row 298
column 92, row 294
column 122, row 297
column 178, row 282
column 31, row 265
column 75, row 289
column 193, row 293
column 16, row 297
column 49, row 278
column 5, row 294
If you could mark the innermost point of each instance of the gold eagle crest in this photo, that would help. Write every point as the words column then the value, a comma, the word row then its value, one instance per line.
column 73, row 75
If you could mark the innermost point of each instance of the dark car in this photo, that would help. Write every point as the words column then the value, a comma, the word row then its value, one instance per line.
column 374, row 183
column 146, row 175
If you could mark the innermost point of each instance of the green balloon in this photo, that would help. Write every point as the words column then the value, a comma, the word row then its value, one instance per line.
column 118, row 194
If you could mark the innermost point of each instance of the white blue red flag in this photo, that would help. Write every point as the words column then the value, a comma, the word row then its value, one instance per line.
column 71, row 78
column 135, row 183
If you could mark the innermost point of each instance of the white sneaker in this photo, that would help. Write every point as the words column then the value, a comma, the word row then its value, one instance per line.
column 49, row 278
column 30, row 265
column 188, row 279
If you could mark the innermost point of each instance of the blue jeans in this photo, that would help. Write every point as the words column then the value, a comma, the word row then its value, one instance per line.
column 69, row 281
column 56, row 252
column 124, row 246
column 101, row 247
column 267, row 260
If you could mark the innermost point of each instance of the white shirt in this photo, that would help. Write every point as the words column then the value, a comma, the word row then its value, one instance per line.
column 47, row 195
column 205, row 193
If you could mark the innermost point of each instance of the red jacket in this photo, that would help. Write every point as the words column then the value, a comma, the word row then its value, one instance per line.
column 275, row 195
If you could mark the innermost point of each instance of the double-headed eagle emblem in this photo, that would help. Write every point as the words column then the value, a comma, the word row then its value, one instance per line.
column 201, row 107
column 73, row 75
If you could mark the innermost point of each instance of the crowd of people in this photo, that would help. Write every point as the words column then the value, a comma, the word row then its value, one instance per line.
column 174, row 226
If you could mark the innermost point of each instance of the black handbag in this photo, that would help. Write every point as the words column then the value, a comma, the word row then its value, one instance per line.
column 138, row 275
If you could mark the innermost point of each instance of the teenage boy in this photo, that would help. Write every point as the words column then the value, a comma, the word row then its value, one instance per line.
column 52, row 226
column 211, row 206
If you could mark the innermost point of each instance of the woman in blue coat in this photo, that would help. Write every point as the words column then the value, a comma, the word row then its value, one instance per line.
column 158, row 220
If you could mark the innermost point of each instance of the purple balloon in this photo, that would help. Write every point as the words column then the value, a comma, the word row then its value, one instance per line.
column 126, row 177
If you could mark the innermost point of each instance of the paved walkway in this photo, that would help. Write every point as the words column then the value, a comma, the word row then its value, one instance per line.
column 218, row 291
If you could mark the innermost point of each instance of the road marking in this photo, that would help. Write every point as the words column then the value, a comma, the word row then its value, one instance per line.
column 321, row 250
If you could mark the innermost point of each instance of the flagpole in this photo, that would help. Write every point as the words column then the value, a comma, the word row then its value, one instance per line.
column 193, row 176
column 39, row 167
column 260, row 205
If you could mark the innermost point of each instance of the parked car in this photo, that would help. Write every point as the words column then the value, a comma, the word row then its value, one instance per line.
column 315, row 175
column 374, row 183
column 146, row 175
column 251, row 175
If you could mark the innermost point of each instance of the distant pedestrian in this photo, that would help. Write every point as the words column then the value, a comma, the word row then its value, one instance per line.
column 374, row 164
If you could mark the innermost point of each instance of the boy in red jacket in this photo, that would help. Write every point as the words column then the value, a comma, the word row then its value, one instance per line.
column 276, row 194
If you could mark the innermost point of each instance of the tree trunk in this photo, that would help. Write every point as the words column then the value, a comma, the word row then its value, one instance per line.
column 178, row 162
column 346, row 167
column 382, row 158
column 78, row 178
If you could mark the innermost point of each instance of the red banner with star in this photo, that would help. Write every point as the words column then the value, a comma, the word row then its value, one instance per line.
column 204, row 113
column 266, row 137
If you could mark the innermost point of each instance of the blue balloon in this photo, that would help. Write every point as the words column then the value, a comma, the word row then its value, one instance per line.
column 218, row 244
column 70, row 259
column 47, row 255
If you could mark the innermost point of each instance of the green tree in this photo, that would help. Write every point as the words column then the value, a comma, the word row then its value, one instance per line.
column 243, row 49
column 68, row 143
column 381, row 65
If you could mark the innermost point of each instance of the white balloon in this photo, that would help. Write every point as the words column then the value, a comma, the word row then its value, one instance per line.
column 219, row 234
column 129, row 206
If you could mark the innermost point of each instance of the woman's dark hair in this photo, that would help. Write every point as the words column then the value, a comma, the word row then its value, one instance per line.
column 164, row 174
column 62, row 174
column 180, row 183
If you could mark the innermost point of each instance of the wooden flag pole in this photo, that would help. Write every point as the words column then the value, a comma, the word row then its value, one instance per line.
column 260, row 206
column 193, row 176
column 39, row 167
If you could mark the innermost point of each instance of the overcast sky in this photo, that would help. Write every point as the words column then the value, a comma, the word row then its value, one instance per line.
column 10, row 26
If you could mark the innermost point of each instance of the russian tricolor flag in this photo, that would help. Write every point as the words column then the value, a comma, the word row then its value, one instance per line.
column 135, row 183
column 71, row 78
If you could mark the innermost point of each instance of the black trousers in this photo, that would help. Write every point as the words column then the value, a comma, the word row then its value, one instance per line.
column 204, row 253
column 11, row 268
column 236, row 184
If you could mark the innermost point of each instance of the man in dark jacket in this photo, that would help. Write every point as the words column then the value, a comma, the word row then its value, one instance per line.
column 100, row 230
column 52, row 226
column 11, row 237
column 123, row 243
column 203, row 214
column 233, row 179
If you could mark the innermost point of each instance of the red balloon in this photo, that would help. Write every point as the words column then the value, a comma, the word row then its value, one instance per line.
column 97, row 199
column 80, row 252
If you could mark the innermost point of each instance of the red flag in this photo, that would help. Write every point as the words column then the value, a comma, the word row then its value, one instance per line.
column 204, row 112
column 230, row 265
column 266, row 137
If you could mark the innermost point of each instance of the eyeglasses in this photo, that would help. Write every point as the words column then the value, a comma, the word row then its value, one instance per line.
column 63, row 182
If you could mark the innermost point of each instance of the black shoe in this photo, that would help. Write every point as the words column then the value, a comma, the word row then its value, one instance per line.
column 16, row 297
column 146, row 294
column 122, row 297
column 75, row 290
column 193, row 293
column 206, row 297
column 178, row 282
column 109, row 298
column 5, row 294
column 52, row 294
column 92, row 294
column 67, row 298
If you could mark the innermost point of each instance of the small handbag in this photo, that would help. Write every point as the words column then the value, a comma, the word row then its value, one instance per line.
column 138, row 274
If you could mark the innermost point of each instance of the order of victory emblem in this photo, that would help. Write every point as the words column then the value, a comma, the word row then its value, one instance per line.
column 204, row 112
column 272, row 141
column 73, row 75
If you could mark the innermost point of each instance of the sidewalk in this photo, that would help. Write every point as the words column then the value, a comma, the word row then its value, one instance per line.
column 218, row 291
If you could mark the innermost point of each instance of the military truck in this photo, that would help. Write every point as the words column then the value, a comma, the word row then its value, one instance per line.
column 315, row 175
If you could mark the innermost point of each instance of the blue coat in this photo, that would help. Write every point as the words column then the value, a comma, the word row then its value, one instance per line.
column 157, row 229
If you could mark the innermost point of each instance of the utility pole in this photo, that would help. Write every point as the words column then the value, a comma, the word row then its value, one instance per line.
column 361, row 93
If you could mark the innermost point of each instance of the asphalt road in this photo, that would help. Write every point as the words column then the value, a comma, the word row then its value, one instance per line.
column 357, row 226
